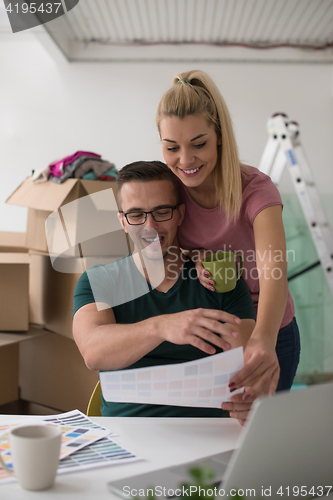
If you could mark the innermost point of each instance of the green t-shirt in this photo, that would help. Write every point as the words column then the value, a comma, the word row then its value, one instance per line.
column 122, row 287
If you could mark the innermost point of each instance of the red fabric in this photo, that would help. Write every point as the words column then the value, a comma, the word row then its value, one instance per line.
column 106, row 178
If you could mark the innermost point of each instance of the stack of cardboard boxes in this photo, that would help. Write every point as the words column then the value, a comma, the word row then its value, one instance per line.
column 37, row 287
column 14, row 280
column 14, row 308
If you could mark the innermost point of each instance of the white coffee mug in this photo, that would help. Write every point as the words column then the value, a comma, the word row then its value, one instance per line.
column 35, row 453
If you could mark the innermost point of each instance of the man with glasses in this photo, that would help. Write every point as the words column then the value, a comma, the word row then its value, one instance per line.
column 149, row 308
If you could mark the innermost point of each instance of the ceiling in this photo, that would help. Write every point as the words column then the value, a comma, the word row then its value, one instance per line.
column 264, row 30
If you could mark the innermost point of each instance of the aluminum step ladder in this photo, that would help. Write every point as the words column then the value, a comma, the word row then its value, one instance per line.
column 284, row 148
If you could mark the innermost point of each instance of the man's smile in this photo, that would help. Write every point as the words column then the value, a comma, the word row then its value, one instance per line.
column 153, row 240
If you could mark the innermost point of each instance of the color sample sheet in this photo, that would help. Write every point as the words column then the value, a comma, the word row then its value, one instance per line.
column 200, row 383
column 84, row 444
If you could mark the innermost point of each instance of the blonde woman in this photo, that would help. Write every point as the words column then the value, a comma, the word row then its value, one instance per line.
column 231, row 206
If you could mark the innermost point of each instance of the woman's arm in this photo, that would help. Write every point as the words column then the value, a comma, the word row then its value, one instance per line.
column 238, row 408
column 261, row 369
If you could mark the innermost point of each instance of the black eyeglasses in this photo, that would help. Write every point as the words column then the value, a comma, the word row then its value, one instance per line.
column 159, row 215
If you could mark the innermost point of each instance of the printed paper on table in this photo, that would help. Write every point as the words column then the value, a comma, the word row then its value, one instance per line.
column 84, row 444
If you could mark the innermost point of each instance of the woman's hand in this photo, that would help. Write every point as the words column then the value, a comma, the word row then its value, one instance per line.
column 261, row 371
column 197, row 257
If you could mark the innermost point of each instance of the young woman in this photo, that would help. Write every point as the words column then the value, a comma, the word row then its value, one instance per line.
column 231, row 206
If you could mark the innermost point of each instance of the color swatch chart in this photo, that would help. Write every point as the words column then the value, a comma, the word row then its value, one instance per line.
column 200, row 383
column 101, row 453
column 83, row 445
column 77, row 419
column 72, row 439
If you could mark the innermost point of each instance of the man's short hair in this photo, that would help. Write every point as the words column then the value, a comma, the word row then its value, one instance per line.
column 146, row 171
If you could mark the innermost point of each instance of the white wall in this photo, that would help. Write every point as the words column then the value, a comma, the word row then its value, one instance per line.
column 49, row 110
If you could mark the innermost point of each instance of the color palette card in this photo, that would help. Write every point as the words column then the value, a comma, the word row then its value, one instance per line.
column 75, row 418
column 104, row 452
column 72, row 440
column 200, row 383
column 78, row 451
column 5, row 427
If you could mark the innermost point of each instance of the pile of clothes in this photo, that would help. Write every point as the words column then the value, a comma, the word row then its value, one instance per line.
column 80, row 165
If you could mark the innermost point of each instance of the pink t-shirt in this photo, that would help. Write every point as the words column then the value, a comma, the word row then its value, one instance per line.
column 209, row 229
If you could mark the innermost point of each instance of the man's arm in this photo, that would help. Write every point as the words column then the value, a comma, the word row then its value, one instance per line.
column 107, row 345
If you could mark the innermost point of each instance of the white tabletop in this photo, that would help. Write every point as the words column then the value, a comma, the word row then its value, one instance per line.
column 159, row 441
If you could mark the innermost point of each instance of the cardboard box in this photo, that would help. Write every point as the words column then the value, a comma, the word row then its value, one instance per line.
column 51, row 292
column 51, row 295
column 9, row 363
column 52, row 373
column 64, row 221
column 14, row 291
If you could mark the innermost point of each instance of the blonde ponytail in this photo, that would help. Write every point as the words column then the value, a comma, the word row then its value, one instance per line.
column 195, row 93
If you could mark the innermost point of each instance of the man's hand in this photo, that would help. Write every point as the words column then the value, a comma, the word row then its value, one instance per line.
column 261, row 370
column 238, row 408
column 197, row 327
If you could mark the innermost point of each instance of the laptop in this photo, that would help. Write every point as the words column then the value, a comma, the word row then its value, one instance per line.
column 286, row 444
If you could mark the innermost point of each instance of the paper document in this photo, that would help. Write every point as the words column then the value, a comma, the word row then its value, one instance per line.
column 72, row 440
column 84, row 444
column 200, row 383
